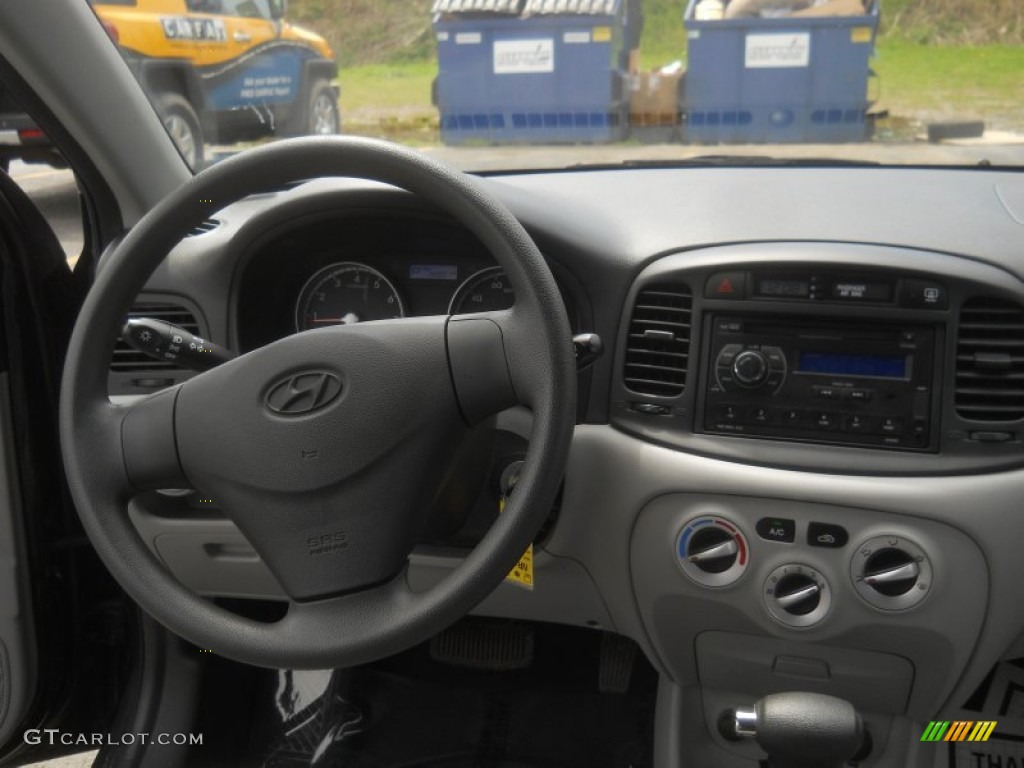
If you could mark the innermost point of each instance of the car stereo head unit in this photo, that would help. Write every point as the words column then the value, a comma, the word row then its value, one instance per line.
column 847, row 383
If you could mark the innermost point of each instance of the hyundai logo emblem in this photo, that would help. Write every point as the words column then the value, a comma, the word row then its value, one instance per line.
column 303, row 393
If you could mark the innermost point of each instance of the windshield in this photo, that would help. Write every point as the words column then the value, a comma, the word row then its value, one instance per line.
column 523, row 84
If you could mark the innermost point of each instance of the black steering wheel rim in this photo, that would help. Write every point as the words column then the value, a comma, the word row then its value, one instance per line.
column 368, row 624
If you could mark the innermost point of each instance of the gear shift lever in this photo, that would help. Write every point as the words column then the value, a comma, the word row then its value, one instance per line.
column 800, row 730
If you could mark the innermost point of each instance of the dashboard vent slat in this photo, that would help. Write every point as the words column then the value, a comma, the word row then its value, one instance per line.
column 128, row 359
column 990, row 360
column 207, row 225
column 658, row 341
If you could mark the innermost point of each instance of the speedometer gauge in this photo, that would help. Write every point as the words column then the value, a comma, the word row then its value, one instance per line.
column 346, row 293
column 483, row 291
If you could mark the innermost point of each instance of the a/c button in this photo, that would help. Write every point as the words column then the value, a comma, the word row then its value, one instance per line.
column 776, row 529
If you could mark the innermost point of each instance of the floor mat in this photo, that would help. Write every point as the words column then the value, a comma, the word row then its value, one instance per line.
column 1003, row 705
column 411, row 711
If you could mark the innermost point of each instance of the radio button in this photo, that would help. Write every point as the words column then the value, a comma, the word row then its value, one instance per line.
column 762, row 415
column 776, row 358
column 727, row 414
column 857, row 423
column 859, row 395
column 726, row 380
column 891, row 425
column 826, row 393
column 728, row 354
column 825, row 420
column 792, row 417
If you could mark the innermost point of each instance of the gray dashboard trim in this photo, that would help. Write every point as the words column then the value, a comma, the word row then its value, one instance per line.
column 611, row 476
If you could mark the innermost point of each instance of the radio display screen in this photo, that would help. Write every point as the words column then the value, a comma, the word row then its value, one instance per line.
column 885, row 366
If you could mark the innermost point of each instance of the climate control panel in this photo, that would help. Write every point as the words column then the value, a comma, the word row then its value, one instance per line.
column 803, row 566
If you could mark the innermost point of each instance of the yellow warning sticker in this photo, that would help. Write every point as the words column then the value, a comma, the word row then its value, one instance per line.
column 601, row 34
column 522, row 573
column 860, row 35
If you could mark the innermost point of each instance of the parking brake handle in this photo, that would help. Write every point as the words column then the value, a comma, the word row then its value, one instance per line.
column 163, row 341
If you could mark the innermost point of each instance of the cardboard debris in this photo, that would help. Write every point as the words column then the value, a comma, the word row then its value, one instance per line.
column 737, row 9
column 653, row 97
column 833, row 8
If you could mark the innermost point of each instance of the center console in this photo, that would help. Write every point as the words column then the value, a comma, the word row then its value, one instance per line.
column 808, row 406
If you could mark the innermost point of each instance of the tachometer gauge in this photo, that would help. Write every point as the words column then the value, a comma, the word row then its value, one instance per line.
column 346, row 293
column 483, row 291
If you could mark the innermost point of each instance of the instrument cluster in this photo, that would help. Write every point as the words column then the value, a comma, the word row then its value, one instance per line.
column 358, row 269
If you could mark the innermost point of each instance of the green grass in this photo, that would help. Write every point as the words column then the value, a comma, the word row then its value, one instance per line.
column 400, row 86
column 664, row 38
column 952, row 82
column 390, row 101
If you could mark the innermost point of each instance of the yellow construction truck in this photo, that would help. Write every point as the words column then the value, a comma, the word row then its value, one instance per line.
column 226, row 70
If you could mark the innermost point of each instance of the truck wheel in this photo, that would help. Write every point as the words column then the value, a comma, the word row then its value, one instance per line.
column 323, row 117
column 182, row 124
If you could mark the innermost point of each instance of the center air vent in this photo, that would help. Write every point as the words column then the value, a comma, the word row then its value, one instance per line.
column 658, row 341
column 128, row 359
column 990, row 360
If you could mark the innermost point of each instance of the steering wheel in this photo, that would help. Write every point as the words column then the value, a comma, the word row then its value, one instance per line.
column 325, row 448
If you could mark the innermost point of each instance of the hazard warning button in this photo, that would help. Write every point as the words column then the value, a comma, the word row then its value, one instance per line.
column 726, row 285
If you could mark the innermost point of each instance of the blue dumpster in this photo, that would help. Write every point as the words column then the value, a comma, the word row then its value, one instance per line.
column 533, row 71
column 778, row 80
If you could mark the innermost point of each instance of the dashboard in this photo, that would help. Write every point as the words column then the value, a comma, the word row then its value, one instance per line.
column 797, row 465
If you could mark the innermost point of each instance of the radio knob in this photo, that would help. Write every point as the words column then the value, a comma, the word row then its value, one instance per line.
column 750, row 368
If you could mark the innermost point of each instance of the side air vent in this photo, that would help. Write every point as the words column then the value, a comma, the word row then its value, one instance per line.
column 990, row 360
column 208, row 225
column 128, row 359
column 658, row 341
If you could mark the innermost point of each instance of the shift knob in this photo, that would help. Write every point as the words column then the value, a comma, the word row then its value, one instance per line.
column 800, row 730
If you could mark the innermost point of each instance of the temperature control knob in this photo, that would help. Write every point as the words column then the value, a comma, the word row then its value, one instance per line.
column 797, row 595
column 750, row 368
column 712, row 551
column 891, row 573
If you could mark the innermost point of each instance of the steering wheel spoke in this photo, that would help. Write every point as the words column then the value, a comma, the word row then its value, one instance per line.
column 497, row 360
column 148, row 442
